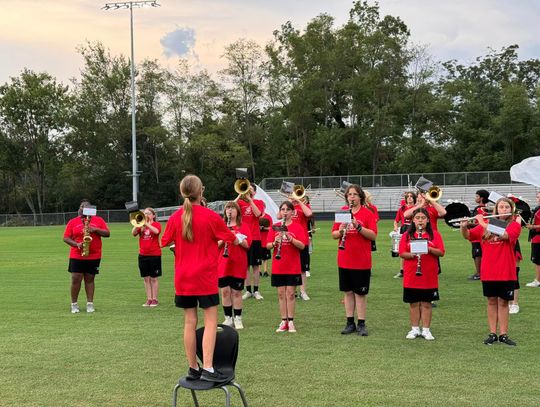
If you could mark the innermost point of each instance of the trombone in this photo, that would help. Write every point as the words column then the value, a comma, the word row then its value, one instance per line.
column 292, row 191
column 241, row 187
column 341, row 191
column 137, row 219
column 432, row 192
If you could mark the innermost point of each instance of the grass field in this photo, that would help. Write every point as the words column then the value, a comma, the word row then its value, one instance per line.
column 126, row 355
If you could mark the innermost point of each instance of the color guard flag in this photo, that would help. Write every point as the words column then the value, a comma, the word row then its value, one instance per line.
column 527, row 171
column 271, row 207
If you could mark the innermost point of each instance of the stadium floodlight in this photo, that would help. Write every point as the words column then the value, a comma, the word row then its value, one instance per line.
column 130, row 5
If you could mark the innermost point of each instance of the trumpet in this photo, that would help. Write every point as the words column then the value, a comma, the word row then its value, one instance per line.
column 137, row 219
column 241, row 187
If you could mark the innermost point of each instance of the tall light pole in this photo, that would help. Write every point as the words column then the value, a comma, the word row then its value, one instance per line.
column 131, row 5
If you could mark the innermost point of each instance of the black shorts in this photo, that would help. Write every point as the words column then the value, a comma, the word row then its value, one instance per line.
column 501, row 289
column 354, row 280
column 517, row 247
column 535, row 253
column 280, row 280
column 150, row 266
column 190, row 301
column 517, row 286
column 254, row 253
column 233, row 282
column 304, row 259
column 84, row 266
column 476, row 250
column 373, row 246
column 412, row 295
column 265, row 254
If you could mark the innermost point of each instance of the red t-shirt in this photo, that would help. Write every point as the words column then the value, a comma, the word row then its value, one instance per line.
column 433, row 216
column 75, row 231
column 536, row 221
column 400, row 219
column 236, row 264
column 196, row 263
column 249, row 218
column 290, row 255
column 149, row 242
column 428, row 262
column 357, row 253
column 299, row 217
column 479, row 210
column 498, row 256
column 264, row 233
column 374, row 210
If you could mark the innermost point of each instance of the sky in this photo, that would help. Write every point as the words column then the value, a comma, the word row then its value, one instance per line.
column 43, row 35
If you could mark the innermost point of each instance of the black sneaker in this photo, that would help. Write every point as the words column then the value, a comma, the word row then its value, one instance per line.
column 349, row 329
column 215, row 377
column 474, row 277
column 194, row 374
column 265, row 274
column 505, row 339
column 361, row 330
column 491, row 339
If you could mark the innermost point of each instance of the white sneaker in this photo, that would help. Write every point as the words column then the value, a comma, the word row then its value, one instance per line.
column 90, row 307
column 428, row 336
column 308, row 274
column 399, row 275
column 247, row 295
column 238, row 322
column 257, row 295
column 292, row 327
column 513, row 308
column 304, row 296
column 228, row 321
column 75, row 308
column 413, row 334
column 534, row 283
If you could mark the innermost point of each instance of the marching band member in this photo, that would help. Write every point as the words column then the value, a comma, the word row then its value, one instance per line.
column 435, row 209
column 302, row 214
column 84, row 265
column 401, row 223
column 195, row 231
column 498, row 268
column 251, row 210
column 534, row 237
column 421, row 279
column 481, row 199
column 149, row 256
column 354, row 261
column 232, row 266
column 287, row 241
column 265, row 223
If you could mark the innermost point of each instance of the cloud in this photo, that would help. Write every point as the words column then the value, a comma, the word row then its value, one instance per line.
column 178, row 42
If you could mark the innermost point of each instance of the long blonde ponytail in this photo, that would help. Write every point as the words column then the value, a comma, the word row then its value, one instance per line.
column 190, row 189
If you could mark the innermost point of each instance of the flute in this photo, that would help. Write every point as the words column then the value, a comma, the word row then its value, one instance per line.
column 472, row 218
column 344, row 236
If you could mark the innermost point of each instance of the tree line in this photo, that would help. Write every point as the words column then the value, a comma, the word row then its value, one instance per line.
column 359, row 98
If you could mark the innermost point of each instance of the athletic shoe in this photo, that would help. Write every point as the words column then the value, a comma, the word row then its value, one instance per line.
column 474, row 277
column 238, row 322
column 361, row 330
column 304, row 296
column 399, row 275
column 349, row 329
column 75, row 308
column 413, row 334
column 228, row 321
column 491, row 339
column 257, row 295
column 216, row 376
column 505, row 339
column 433, row 304
column 534, row 283
column 428, row 336
column 90, row 307
column 292, row 327
column 194, row 374
column 308, row 274
column 283, row 326
column 147, row 303
column 247, row 295
column 265, row 274
column 513, row 308
column 154, row 303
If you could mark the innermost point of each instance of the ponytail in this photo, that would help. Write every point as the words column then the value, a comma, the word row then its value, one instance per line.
column 187, row 218
column 190, row 189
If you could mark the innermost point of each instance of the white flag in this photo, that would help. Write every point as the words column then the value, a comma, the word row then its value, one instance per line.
column 271, row 207
column 527, row 171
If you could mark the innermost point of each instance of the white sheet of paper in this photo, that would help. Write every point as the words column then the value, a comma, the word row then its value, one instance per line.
column 419, row 246
column 342, row 217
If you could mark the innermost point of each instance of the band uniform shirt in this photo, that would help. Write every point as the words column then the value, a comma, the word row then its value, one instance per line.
column 433, row 216
column 290, row 255
column 357, row 253
column 249, row 217
column 498, row 256
column 479, row 210
column 236, row 264
column 196, row 263
column 400, row 219
column 429, row 263
column 149, row 242
column 299, row 217
column 75, row 230
column 536, row 221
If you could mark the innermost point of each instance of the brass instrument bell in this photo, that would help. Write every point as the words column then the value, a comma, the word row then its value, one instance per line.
column 241, row 186
column 137, row 219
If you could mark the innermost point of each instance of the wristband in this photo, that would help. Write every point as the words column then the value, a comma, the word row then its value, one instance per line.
column 359, row 228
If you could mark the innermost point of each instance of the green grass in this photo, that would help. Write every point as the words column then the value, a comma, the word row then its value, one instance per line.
column 126, row 355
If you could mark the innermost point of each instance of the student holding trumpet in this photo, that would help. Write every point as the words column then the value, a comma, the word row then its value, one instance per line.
column 498, row 267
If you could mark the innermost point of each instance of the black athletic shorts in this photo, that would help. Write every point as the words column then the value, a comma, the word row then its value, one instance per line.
column 373, row 246
column 476, row 250
column 190, row 301
column 265, row 254
column 84, row 266
column 535, row 253
column 354, row 280
column 254, row 253
column 517, row 286
column 280, row 280
column 233, row 282
column 304, row 259
column 150, row 266
column 501, row 289
column 412, row 295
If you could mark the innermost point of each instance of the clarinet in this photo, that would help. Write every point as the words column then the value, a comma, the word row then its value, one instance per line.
column 278, row 251
column 226, row 247
column 418, row 256
column 344, row 236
